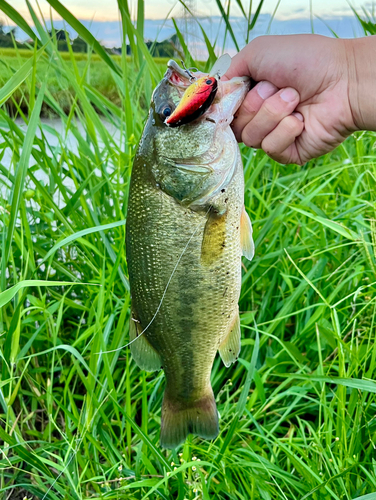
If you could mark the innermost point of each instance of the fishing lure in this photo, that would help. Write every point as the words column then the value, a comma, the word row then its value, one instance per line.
column 199, row 95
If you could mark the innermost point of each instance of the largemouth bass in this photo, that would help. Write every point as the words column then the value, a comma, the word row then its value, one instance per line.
column 186, row 232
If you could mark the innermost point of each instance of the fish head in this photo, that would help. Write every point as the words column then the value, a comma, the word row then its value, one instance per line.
column 182, row 90
column 188, row 132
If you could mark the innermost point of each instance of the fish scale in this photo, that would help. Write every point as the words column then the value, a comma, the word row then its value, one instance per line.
column 184, row 260
column 207, row 283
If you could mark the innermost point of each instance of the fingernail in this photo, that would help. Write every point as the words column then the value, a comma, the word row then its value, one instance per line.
column 289, row 95
column 299, row 116
column 266, row 89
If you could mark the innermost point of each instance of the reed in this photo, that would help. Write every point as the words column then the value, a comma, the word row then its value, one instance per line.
column 76, row 422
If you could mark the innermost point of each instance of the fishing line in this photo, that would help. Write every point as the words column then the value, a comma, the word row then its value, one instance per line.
column 78, row 442
column 79, row 439
column 163, row 295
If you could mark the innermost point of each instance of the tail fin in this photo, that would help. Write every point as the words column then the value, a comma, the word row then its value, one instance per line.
column 180, row 418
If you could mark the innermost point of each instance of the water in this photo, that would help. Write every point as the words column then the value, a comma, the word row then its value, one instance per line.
column 55, row 136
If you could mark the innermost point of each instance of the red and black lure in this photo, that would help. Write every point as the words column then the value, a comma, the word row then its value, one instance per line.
column 199, row 95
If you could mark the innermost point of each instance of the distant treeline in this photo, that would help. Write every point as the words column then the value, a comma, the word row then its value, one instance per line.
column 170, row 47
column 166, row 48
column 8, row 40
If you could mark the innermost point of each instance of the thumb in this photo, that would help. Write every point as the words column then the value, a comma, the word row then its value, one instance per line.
column 251, row 60
column 239, row 66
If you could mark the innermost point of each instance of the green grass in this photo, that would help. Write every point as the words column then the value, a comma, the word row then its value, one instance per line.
column 297, row 410
column 98, row 75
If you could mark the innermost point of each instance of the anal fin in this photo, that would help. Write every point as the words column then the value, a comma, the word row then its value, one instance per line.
column 145, row 356
column 230, row 348
column 246, row 240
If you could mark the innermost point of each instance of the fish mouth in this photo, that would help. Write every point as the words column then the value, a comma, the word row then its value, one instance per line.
column 230, row 93
column 179, row 76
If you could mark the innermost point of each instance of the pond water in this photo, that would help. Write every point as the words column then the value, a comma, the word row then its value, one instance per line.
column 54, row 133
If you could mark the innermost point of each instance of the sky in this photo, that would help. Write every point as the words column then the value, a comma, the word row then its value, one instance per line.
column 293, row 16
column 100, row 10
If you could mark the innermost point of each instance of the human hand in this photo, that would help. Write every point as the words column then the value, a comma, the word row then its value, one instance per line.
column 302, row 106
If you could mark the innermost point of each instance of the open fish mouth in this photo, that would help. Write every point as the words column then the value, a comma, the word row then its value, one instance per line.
column 178, row 76
column 228, row 97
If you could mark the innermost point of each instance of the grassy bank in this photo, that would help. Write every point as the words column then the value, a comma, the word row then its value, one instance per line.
column 78, row 419
column 89, row 67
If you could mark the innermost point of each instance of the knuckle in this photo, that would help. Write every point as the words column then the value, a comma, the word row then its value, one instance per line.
column 292, row 125
column 259, row 41
column 278, row 157
column 270, row 151
column 245, row 138
column 246, row 141
column 249, row 141
column 248, row 105
column 248, row 137
column 269, row 109
column 270, row 147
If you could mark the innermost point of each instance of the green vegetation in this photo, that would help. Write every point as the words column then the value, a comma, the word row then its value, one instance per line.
column 8, row 39
column 90, row 67
column 78, row 419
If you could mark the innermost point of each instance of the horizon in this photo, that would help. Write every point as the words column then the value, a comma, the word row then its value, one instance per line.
column 345, row 25
column 109, row 32
column 160, row 10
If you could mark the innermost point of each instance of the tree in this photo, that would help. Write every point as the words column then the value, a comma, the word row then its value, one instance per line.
column 79, row 45
column 8, row 39
column 166, row 48
column 62, row 38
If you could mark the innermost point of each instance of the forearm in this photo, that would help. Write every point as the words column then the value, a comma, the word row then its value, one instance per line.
column 361, row 60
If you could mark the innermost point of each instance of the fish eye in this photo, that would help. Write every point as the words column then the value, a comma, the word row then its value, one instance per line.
column 208, row 82
column 166, row 111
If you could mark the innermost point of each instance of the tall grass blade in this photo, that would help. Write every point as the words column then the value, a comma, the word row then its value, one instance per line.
column 20, row 176
column 227, row 21
column 19, row 77
column 85, row 34
column 16, row 17
column 80, row 234
column 29, row 457
column 242, row 400
column 8, row 295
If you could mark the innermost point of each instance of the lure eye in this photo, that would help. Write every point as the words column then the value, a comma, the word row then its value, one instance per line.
column 167, row 111
column 208, row 82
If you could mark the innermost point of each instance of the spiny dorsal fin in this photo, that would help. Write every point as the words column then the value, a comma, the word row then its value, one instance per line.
column 246, row 240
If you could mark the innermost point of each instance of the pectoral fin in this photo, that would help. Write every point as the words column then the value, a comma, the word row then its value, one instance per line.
column 230, row 347
column 246, row 240
column 214, row 238
column 145, row 356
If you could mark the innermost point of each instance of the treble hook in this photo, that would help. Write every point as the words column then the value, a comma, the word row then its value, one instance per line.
column 192, row 78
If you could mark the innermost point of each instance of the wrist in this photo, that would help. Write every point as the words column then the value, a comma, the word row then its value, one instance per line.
column 361, row 68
